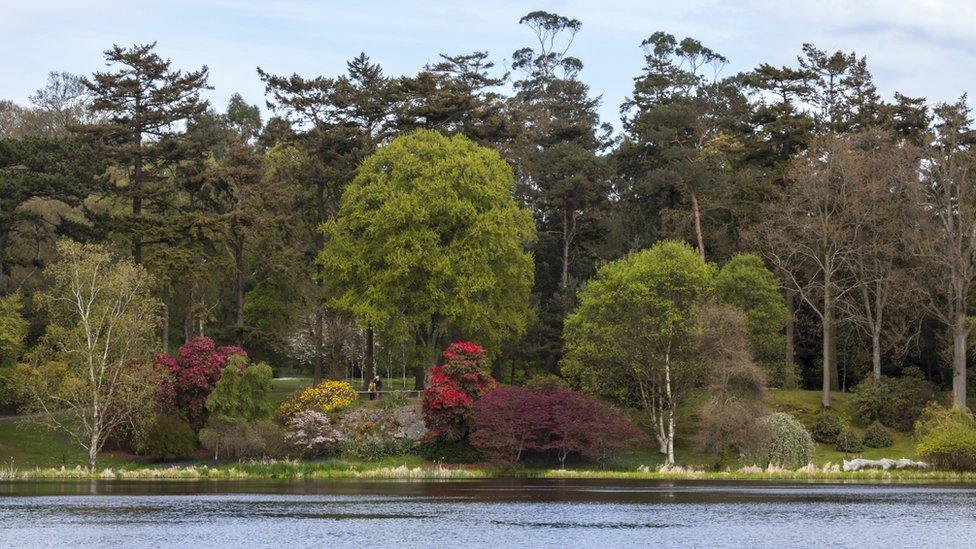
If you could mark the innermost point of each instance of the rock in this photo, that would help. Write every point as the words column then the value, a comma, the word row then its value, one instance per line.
column 883, row 464
column 376, row 425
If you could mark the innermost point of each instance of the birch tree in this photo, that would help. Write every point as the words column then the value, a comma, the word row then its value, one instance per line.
column 103, row 323
column 633, row 336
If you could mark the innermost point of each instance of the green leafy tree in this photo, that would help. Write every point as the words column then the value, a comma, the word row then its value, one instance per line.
column 561, row 176
column 241, row 393
column 634, row 335
column 13, row 330
column 103, row 322
column 458, row 94
column 679, row 122
column 33, row 168
column 429, row 239
column 745, row 283
column 334, row 123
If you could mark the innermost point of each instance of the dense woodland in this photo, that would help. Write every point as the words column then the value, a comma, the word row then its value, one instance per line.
column 862, row 207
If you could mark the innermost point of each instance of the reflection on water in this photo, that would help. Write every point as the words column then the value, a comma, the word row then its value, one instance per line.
column 502, row 513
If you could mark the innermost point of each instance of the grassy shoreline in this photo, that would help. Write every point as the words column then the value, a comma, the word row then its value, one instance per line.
column 325, row 471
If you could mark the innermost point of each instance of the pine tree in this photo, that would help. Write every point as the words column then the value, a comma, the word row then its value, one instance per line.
column 143, row 107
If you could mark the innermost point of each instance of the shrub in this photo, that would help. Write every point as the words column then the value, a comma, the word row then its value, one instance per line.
column 513, row 420
column 459, row 451
column 895, row 402
column 312, row 434
column 952, row 448
column 736, row 384
column 13, row 387
column 13, row 330
column 877, row 436
column 784, row 375
column 325, row 397
column 546, row 382
column 165, row 437
column 391, row 401
column 241, row 393
column 934, row 417
column 240, row 440
column 192, row 375
column 783, row 443
column 947, row 437
column 849, row 442
column 826, row 427
column 455, row 385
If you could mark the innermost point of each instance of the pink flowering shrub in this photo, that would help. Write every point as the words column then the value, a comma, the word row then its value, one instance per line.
column 190, row 376
column 311, row 433
column 455, row 385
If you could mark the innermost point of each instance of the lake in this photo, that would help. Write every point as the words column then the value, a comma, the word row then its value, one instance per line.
column 494, row 513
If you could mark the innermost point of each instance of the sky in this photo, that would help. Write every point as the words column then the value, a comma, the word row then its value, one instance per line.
column 917, row 47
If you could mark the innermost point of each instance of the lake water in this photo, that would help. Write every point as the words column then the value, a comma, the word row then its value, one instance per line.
column 502, row 513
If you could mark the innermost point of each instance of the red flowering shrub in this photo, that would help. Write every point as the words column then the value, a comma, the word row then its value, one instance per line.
column 510, row 421
column 454, row 387
column 191, row 376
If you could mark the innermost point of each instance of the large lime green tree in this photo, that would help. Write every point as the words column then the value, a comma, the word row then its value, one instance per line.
column 634, row 335
column 429, row 241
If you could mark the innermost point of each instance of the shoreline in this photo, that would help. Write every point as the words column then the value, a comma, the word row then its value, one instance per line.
column 311, row 472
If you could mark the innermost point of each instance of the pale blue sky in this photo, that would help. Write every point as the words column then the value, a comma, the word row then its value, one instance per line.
column 917, row 47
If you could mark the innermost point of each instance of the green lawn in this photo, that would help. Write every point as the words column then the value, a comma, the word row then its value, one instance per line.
column 26, row 444
column 804, row 406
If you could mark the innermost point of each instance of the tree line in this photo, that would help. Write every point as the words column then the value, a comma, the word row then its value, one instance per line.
column 862, row 207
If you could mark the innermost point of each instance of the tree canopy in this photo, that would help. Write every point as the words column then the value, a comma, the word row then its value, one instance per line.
column 429, row 239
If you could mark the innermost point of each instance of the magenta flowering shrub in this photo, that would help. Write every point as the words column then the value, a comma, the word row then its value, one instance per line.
column 191, row 375
column 455, row 385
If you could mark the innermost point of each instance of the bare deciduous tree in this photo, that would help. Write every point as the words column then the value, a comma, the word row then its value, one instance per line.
column 810, row 236
column 882, row 265
column 948, row 196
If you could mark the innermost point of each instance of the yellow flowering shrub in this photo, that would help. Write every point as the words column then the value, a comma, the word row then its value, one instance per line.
column 324, row 397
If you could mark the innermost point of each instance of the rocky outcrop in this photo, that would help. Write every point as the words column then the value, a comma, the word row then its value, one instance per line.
column 376, row 425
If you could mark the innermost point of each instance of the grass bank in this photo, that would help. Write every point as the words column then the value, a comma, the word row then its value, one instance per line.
column 413, row 470
column 28, row 452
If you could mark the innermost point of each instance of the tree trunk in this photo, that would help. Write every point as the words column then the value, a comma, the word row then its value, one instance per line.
column 137, row 198
column 239, row 290
column 696, row 213
column 671, row 406
column 828, row 335
column 876, row 352
column 93, row 446
column 960, row 337
column 834, row 364
column 568, row 230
